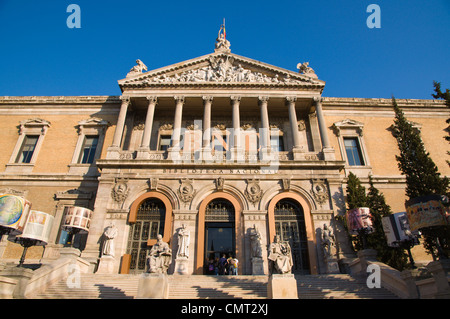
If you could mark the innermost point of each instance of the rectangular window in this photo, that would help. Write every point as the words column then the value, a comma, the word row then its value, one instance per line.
column 277, row 143
column 353, row 151
column 89, row 149
column 220, row 142
column 164, row 142
column 27, row 150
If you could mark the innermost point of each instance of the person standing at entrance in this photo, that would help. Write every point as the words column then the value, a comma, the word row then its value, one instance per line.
column 234, row 266
column 222, row 264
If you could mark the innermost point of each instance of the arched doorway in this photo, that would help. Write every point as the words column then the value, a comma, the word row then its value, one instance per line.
column 290, row 227
column 220, row 237
column 150, row 215
column 219, row 217
column 290, row 218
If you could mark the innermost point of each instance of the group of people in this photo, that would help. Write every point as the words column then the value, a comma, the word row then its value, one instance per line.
column 223, row 266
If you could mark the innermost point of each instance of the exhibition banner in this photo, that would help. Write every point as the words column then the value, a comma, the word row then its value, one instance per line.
column 13, row 212
column 358, row 219
column 427, row 211
column 77, row 217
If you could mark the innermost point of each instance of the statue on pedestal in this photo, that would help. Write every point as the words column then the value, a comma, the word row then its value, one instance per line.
column 160, row 257
column 109, row 235
column 328, row 242
column 280, row 257
column 183, row 242
column 255, row 241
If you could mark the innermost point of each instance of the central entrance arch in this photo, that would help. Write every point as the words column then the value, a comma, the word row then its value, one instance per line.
column 290, row 217
column 219, row 217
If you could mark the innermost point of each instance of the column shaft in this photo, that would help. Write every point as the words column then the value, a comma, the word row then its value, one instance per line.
column 207, row 101
column 321, row 121
column 121, row 122
column 293, row 121
column 152, row 100
column 176, row 135
column 265, row 133
column 235, row 101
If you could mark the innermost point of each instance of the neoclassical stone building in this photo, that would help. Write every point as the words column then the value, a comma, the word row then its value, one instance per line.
column 221, row 144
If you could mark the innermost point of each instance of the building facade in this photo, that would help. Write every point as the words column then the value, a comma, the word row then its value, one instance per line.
column 220, row 145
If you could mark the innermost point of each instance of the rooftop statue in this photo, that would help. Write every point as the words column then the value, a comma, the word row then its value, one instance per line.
column 305, row 69
column 222, row 44
column 137, row 69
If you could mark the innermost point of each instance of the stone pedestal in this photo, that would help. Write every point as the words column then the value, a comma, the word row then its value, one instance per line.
column 106, row 265
column 69, row 252
column 7, row 287
column 440, row 270
column 332, row 266
column 153, row 286
column 22, row 276
column 365, row 256
column 257, row 266
column 181, row 266
column 282, row 287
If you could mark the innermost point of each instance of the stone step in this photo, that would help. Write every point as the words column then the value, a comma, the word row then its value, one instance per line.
column 338, row 287
column 216, row 287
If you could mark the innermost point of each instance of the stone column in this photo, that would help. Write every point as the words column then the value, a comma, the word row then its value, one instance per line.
column 235, row 101
column 176, row 135
column 290, row 101
column 207, row 101
column 145, row 144
column 327, row 150
column 152, row 101
column 236, row 151
column 174, row 150
column 206, row 137
column 265, row 134
column 121, row 122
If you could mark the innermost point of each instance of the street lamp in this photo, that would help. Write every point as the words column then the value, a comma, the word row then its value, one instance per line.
column 35, row 233
column 359, row 223
column 427, row 214
column 398, row 233
column 13, row 214
column 77, row 221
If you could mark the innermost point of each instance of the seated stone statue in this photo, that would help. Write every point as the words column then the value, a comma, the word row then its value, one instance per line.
column 280, row 257
column 160, row 257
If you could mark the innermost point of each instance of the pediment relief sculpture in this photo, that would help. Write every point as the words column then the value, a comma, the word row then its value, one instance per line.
column 220, row 68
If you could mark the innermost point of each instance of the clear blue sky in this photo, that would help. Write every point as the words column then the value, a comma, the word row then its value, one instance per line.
column 40, row 55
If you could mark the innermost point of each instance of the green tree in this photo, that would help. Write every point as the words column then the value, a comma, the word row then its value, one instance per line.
column 422, row 175
column 445, row 96
column 394, row 257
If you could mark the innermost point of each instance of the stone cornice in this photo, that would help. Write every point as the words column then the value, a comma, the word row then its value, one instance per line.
column 58, row 100
column 337, row 102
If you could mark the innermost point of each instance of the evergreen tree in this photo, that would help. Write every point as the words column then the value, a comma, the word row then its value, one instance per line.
column 394, row 257
column 356, row 193
column 445, row 96
column 422, row 176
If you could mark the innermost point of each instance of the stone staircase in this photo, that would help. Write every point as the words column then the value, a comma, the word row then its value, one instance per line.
column 93, row 286
column 218, row 287
column 338, row 286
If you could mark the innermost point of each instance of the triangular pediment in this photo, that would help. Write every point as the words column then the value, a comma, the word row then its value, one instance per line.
column 219, row 69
